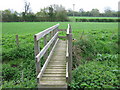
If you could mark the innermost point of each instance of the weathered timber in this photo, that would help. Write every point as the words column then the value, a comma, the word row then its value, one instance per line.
column 46, row 63
column 17, row 40
column 56, row 70
column 42, row 52
column 69, row 35
column 36, row 51
column 43, row 33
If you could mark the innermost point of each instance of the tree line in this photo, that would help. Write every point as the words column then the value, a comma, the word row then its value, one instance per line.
column 51, row 13
column 94, row 13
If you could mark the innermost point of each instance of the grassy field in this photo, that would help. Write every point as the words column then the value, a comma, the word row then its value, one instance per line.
column 73, row 18
column 23, row 28
column 95, row 53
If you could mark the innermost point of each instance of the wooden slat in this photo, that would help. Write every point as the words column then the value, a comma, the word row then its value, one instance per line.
column 45, row 42
column 43, row 33
column 68, row 29
column 17, row 40
column 66, row 71
column 67, row 54
column 70, row 57
column 61, row 29
column 47, row 61
column 62, row 37
column 42, row 52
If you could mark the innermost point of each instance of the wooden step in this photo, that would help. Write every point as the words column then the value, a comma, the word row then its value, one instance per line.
column 55, row 83
column 60, row 54
column 56, row 65
column 58, row 60
column 55, row 70
column 52, row 87
column 47, row 72
column 53, row 79
column 54, row 75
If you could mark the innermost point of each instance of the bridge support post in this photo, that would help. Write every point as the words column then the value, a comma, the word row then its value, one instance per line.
column 36, row 51
column 69, row 36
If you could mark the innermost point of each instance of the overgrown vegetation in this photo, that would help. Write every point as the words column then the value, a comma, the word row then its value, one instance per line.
column 96, row 61
column 18, row 69
column 95, row 56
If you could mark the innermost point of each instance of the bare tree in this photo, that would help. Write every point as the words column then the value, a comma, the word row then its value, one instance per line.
column 27, row 8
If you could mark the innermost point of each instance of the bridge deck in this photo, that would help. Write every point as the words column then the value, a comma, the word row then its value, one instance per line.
column 55, row 73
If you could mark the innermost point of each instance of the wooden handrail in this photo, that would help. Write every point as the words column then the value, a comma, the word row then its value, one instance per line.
column 69, row 54
column 46, row 31
column 38, row 53
column 46, row 63
column 68, row 29
column 42, row 52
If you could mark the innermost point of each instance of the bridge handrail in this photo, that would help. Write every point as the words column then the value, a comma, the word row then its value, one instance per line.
column 40, row 53
column 46, row 31
column 69, row 54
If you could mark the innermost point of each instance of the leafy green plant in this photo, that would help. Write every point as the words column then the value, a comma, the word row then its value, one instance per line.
column 95, row 75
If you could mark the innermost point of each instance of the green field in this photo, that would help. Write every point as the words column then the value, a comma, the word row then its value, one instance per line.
column 95, row 54
column 73, row 18
column 23, row 28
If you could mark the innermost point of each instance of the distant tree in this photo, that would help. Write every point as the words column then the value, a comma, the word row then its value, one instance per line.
column 108, row 11
column 9, row 15
column 27, row 10
column 69, row 12
column 53, row 13
column 60, row 12
column 81, row 12
column 95, row 12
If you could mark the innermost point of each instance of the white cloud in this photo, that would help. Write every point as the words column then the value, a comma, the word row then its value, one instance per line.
column 87, row 5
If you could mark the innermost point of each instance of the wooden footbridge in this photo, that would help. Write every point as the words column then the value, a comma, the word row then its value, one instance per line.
column 57, row 53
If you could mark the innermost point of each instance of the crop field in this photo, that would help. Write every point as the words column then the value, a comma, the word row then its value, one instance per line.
column 73, row 18
column 23, row 28
column 95, row 54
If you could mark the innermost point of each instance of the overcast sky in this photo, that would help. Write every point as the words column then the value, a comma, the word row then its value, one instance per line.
column 87, row 5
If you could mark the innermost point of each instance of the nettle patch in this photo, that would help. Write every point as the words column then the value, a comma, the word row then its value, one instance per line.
column 95, row 61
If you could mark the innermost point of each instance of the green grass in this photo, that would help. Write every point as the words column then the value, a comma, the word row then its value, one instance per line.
column 23, row 28
column 81, row 17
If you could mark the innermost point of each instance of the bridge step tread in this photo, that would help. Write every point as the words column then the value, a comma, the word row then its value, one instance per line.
column 53, row 78
column 55, row 73
column 53, row 83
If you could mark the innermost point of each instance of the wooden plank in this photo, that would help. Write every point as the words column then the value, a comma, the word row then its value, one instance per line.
column 42, row 52
column 36, row 51
column 68, row 29
column 17, row 40
column 70, row 57
column 66, row 71
column 61, row 29
column 62, row 37
column 47, row 61
column 43, row 33
column 67, row 54
column 45, row 42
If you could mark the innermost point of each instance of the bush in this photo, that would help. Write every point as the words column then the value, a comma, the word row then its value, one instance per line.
column 10, row 73
column 97, row 20
column 95, row 75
